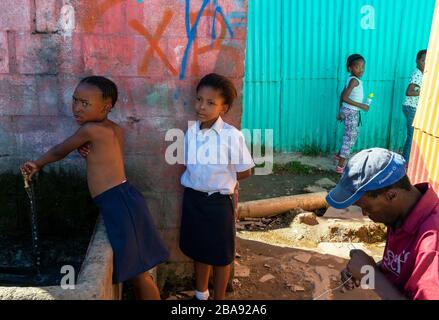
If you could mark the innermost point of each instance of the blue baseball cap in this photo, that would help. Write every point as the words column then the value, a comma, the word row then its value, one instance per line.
column 368, row 170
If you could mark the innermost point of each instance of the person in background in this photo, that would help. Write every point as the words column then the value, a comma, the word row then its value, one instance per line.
column 351, row 102
column 412, row 99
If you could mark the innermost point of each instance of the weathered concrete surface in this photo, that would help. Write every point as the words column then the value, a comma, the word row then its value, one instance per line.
column 94, row 279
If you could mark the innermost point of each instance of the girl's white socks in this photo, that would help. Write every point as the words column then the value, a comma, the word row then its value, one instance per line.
column 202, row 295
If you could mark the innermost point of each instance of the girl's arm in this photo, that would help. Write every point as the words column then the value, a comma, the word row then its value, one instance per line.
column 60, row 151
column 341, row 99
column 413, row 90
column 244, row 174
column 347, row 92
column 339, row 115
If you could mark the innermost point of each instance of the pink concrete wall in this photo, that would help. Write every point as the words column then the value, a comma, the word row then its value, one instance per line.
column 155, row 50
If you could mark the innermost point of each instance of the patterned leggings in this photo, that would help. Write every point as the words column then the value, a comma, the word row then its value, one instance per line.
column 351, row 129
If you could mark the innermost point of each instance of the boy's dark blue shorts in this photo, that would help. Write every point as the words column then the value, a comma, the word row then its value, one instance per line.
column 208, row 228
column 136, row 244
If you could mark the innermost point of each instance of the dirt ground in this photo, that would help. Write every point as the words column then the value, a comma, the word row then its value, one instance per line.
column 278, row 185
column 277, row 273
column 288, row 182
column 269, row 272
column 280, row 258
column 295, row 261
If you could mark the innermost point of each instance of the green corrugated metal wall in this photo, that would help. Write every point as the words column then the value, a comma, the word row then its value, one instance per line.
column 295, row 68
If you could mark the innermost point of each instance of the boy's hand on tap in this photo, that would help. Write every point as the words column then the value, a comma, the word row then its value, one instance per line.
column 29, row 168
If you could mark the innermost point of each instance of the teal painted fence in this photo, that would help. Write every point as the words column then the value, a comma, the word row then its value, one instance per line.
column 296, row 67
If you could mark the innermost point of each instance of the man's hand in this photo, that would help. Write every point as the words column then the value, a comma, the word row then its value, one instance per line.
column 84, row 150
column 359, row 259
column 349, row 282
column 29, row 168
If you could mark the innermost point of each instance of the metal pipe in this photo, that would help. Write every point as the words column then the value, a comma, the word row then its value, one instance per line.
column 274, row 206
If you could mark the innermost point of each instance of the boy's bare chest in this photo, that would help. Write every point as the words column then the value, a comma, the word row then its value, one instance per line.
column 102, row 152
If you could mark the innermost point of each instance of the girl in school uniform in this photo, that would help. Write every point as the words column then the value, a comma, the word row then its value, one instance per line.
column 216, row 157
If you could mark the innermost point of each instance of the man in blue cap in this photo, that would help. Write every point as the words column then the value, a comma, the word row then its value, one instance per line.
column 376, row 181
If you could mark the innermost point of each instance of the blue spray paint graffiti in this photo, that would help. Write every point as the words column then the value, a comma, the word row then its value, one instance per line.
column 191, row 31
column 219, row 10
column 238, row 19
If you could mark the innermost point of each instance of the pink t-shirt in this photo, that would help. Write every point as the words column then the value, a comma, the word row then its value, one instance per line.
column 411, row 257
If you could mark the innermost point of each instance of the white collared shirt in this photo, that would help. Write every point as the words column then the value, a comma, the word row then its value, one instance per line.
column 213, row 157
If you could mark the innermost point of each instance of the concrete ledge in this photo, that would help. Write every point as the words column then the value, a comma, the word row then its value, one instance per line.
column 94, row 279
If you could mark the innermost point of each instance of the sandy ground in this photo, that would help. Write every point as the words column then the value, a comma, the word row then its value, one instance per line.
column 277, row 273
column 335, row 233
column 280, row 258
column 270, row 272
column 304, row 261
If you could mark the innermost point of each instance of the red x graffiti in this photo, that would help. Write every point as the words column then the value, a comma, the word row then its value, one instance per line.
column 154, row 43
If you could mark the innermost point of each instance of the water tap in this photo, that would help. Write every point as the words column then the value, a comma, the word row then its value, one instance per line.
column 26, row 179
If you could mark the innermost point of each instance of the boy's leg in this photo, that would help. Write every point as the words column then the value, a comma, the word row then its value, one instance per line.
column 220, row 278
column 202, row 273
column 409, row 113
column 145, row 287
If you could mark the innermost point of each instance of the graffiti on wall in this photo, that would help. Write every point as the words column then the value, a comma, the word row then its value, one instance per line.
column 153, row 41
column 210, row 9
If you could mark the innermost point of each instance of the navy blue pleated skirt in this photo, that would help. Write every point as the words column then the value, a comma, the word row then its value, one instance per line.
column 135, row 241
column 207, row 232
